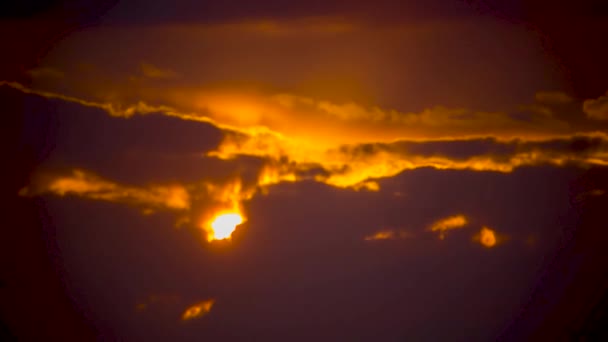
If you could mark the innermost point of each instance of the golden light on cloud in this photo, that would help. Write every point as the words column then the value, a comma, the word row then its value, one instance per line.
column 486, row 237
column 223, row 225
column 198, row 310
column 306, row 131
column 221, row 221
column 448, row 223
column 88, row 185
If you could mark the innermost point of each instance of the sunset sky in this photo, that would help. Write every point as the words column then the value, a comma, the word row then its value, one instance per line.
column 330, row 171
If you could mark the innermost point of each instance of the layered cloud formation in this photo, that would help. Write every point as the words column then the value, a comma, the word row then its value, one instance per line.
column 345, row 158
column 327, row 150
column 262, row 150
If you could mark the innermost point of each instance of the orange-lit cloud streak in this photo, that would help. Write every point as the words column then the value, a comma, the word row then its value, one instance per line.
column 88, row 185
column 442, row 226
column 198, row 310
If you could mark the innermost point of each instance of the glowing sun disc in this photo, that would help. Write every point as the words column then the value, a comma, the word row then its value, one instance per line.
column 224, row 225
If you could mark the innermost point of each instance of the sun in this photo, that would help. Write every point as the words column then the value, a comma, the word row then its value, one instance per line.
column 223, row 225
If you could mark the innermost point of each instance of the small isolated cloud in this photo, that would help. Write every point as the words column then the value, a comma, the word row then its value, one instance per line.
column 597, row 109
column 448, row 223
column 552, row 97
column 150, row 71
column 486, row 237
column 387, row 235
column 197, row 310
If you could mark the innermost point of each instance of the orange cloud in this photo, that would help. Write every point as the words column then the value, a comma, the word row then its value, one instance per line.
column 355, row 145
column 198, row 310
column 88, row 185
column 113, row 109
column 198, row 203
column 486, row 237
column 449, row 223
column 331, row 124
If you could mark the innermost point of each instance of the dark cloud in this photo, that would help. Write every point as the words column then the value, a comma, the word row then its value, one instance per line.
column 300, row 263
column 140, row 149
column 300, row 267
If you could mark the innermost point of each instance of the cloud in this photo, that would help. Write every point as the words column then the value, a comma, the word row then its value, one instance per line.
column 88, row 185
column 110, row 108
column 198, row 310
column 333, row 123
column 293, row 139
column 486, row 237
column 449, row 223
column 196, row 204
column 328, row 123
column 597, row 109
column 351, row 164
column 347, row 159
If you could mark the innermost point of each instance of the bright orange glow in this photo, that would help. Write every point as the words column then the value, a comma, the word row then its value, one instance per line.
column 198, row 310
column 448, row 223
column 487, row 237
column 223, row 225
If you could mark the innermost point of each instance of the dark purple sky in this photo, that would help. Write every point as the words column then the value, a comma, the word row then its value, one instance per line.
column 370, row 150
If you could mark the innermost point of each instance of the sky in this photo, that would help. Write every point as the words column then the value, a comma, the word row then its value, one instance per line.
column 386, row 171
